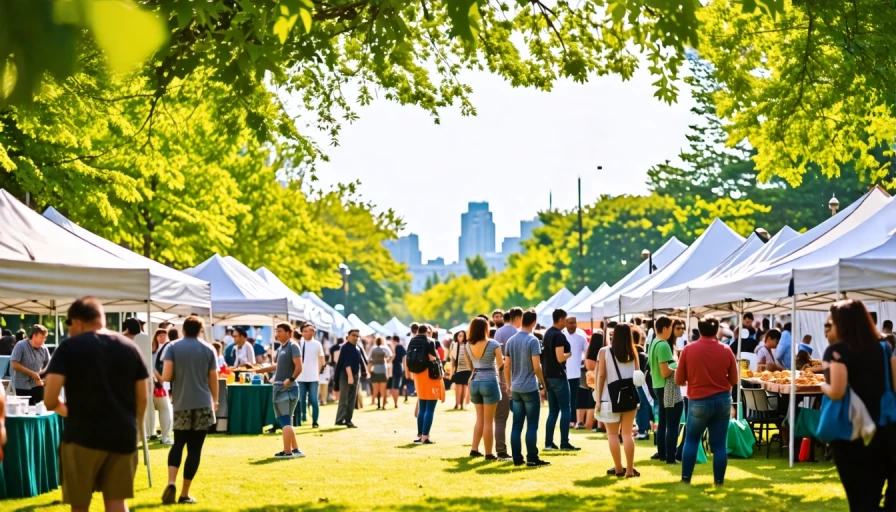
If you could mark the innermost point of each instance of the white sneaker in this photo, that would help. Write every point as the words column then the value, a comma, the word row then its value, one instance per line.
column 166, row 440
column 297, row 454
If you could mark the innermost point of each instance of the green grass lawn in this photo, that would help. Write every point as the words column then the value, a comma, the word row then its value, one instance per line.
column 376, row 467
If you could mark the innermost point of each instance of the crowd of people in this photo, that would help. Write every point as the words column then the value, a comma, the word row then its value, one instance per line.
column 617, row 382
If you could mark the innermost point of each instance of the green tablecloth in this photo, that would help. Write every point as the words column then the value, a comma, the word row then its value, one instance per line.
column 806, row 422
column 30, row 462
column 249, row 408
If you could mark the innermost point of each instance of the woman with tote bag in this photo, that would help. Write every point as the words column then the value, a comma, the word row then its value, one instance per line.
column 617, row 388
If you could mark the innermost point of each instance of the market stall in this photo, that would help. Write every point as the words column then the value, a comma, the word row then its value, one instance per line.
column 30, row 462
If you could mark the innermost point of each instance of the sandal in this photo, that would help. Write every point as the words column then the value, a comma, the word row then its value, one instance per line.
column 633, row 475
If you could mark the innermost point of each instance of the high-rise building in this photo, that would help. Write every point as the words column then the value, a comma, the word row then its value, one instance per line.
column 514, row 244
column 477, row 232
column 527, row 227
column 511, row 245
column 405, row 250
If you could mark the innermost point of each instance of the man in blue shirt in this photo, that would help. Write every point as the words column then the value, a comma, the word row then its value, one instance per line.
column 348, row 377
column 782, row 353
column 522, row 369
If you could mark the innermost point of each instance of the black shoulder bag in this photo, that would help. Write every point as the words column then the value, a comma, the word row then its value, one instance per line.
column 623, row 393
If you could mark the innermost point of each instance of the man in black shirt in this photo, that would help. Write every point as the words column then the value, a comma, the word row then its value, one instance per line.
column 556, row 350
column 105, row 386
column 348, row 377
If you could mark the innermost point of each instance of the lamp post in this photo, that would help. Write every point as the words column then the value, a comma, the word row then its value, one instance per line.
column 647, row 255
column 581, row 243
column 345, row 272
column 834, row 205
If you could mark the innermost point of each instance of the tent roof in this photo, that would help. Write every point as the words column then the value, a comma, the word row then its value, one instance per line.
column 748, row 253
column 583, row 307
column 339, row 325
column 710, row 249
column 561, row 297
column 873, row 269
column 357, row 323
column 170, row 290
column 766, row 285
column 583, row 294
column 308, row 311
column 42, row 265
column 662, row 257
column 394, row 326
column 240, row 295
column 378, row 328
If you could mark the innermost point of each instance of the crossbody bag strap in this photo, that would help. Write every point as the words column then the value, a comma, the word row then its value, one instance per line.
column 616, row 365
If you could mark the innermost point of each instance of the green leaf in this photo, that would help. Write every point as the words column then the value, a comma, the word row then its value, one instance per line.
column 127, row 34
column 283, row 25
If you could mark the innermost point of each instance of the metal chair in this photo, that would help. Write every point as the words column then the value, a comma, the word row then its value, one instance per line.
column 761, row 414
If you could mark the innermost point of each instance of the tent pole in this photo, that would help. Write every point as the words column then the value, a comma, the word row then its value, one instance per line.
column 740, row 338
column 149, row 406
column 793, row 347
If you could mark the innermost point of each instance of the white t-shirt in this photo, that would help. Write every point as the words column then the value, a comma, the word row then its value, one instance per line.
column 577, row 346
column 221, row 362
column 312, row 351
column 244, row 354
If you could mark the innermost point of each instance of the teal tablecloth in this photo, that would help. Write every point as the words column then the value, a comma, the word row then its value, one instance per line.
column 249, row 408
column 30, row 458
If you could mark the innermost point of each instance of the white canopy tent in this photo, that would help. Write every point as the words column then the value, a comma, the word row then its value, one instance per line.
column 378, row 328
column 171, row 291
column 339, row 325
column 766, row 285
column 240, row 296
column 710, row 249
column 583, row 294
column 44, row 268
column 547, row 307
column 357, row 323
column 309, row 312
column 662, row 257
column 394, row 326
column 583, row 308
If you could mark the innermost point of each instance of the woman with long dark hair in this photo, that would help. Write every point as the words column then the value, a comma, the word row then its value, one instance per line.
column 618, row 361
column 484, row 356
column 855, row 361
column 161, row 398
column 462, row 372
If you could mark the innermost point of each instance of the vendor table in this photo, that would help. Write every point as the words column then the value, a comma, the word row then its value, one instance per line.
column 250, row 408
column 30, row 458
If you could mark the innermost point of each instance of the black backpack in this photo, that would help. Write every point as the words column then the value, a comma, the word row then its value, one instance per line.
column 418, row 358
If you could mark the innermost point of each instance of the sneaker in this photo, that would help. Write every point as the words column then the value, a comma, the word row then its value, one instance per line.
column 612, row 471
column 569, row 448
column 580, row 426
column 298, row 454
column 272, row 430
column 167, row 441
column 282, row 455
column 418, row 441
column 490, row 457
column 504, row 457
column 188, row 500
column 655, row 456
column 153, row 437
column 643, row 437
column 315, row 426
column 349, row 424
column 538, row 464
column 169, row 495
column 429, row 442
column 518, row 463
column 551, row 448
column 474, row 453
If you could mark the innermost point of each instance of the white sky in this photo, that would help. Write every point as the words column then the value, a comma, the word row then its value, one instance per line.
column 522, row 144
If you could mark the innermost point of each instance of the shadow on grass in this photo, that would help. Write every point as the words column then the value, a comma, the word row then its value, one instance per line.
column 272, row 460
column 409, row 446
column 305, row 432
column 479, row 466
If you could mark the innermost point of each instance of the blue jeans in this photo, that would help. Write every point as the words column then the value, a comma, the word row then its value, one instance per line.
column 557, row 391
column 644, row 414
column 573, row 398
column 711, row 413
column 309, row 390
column 526, row 407
column 425, row 414
column 667, row 429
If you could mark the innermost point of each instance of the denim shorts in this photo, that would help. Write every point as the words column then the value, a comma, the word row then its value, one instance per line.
column 485, row 392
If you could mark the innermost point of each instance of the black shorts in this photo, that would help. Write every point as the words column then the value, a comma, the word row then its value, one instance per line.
column 585, row 399
column 461, row 378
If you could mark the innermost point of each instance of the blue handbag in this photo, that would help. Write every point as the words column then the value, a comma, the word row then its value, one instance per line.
column 888, row 399
column 834, row 424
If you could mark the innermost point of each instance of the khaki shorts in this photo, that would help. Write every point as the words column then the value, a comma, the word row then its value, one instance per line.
column 85, row 471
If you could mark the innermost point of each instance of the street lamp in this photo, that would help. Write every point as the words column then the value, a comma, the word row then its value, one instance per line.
column 581, row 244
column 647, row 255
column 345, row 272
column 834, row 205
